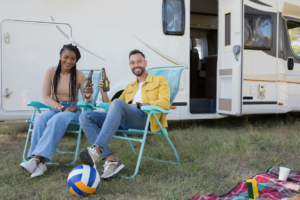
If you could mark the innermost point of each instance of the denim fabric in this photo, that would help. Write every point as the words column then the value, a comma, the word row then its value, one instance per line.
column 48, row 129
column 120, row 116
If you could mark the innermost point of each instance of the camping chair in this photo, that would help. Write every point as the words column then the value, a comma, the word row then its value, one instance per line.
column 172, row 74
column 73, row 127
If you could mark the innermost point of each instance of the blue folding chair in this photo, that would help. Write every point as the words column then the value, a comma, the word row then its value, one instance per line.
column 172, row 74
column 73, row 127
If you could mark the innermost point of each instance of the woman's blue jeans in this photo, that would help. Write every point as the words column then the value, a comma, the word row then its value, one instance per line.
column 120, row 116
column 48, row 129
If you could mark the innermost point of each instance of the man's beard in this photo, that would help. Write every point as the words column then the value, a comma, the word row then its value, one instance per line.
column 138, row 74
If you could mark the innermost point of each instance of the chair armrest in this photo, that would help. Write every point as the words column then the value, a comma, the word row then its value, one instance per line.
column 37, row 104
column 105, row 106
column 86, row 105
column 154, row 109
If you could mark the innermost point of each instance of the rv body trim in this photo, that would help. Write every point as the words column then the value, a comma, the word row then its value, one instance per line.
column 259, row 102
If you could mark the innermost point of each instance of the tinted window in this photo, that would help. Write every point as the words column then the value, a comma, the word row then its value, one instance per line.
column 173, row 17
column 294, row 33
column 228, row 29
column 258, row 33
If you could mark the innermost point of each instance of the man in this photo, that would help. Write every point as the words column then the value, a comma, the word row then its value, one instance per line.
column 124, row 113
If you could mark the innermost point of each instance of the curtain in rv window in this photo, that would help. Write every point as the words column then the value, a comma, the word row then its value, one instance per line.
column 173, row 17
column 258, row 32
column 294, row 33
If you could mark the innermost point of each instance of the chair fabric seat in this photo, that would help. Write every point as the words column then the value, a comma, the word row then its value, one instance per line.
column 173, row 77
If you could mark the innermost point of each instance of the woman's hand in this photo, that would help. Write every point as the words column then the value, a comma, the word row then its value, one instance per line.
column 89, row 91
column 101, row 85
column 71, row 109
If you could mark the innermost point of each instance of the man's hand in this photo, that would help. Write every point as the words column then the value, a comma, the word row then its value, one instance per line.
column 101, row 85
column 71, row 109
column 89, row 91
column 134, row 105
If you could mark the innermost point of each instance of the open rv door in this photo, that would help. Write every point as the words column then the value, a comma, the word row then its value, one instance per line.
column 230, row 54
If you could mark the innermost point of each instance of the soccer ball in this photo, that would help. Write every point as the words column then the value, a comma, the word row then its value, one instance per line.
column 83, row 180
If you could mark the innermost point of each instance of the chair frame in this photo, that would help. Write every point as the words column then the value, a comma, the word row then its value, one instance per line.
column 152, row 110
column 37, row 106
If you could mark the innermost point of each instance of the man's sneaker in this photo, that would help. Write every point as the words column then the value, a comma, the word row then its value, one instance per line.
column 111, row 168
column 89, row 156
column 39, row 170
column 30, row 165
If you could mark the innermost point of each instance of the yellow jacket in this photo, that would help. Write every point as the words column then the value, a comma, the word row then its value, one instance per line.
column 156, row 92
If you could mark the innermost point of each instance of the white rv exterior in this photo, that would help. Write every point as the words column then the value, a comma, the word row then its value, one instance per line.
column 254, row 80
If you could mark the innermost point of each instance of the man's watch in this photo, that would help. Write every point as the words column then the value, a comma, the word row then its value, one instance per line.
column 63, row 109
column 138, row 105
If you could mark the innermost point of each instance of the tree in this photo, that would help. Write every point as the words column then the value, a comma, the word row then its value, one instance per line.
column 295, row 36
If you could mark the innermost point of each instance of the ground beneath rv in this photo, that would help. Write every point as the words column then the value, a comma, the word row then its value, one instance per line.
column 215, row 155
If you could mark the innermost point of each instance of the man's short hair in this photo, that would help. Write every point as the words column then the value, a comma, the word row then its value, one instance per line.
column 135, row 52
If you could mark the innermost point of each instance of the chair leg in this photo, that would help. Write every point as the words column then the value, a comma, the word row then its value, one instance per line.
column 63, row 152
column 131, row 146
column 28, row 134
column 143, row 141
column 77, row 149
column 165, row 133
column 172, row 146
column 140, row 156
column 139, row 159
column 26, row 143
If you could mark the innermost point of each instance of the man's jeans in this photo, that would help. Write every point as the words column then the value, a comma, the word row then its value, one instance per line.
column 48, row 129
column 119, row 116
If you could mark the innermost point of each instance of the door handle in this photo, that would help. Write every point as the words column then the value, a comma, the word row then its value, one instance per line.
column 290, row 63
column 236, row 50
column 7, row 94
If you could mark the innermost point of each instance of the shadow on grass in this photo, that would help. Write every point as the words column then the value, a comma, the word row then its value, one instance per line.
column 237, row 122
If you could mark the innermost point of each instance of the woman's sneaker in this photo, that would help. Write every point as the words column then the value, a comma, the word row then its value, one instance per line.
column 89, row 156
column 112, row 168
column 39, row 170
column 30, row 165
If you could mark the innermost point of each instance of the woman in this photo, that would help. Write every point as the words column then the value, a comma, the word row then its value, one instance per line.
column 60, row 90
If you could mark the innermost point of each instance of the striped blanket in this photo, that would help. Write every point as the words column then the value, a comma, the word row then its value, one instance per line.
column 268, row 187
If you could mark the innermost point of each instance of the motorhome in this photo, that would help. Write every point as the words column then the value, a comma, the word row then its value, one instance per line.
column 241, row 56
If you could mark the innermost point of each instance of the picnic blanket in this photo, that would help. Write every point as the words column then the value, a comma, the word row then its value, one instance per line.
column 268, row 187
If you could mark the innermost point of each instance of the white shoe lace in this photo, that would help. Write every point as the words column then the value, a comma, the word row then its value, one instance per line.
column 106, row 165
column 94, row 151
column 35, row 159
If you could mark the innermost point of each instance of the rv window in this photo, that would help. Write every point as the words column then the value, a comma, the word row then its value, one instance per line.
column 228, row 29
column 294, row 33
column 258, row 32
column 173, row 17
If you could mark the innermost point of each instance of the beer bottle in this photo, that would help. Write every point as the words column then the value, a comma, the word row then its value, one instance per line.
column 88, row 81
column 105, row 81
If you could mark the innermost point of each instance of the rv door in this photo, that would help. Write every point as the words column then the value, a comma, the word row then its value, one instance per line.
column 230, row 51
column 28, row 50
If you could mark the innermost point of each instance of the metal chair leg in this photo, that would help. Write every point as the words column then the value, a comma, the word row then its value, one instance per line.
column 77, row 149
column 26, row 143
column 28, row 134
column 172, row 146
column 131, row 146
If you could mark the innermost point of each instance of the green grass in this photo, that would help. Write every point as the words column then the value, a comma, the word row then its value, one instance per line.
column 215, row 155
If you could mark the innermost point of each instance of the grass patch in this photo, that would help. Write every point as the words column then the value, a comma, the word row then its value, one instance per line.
column 215, row 155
